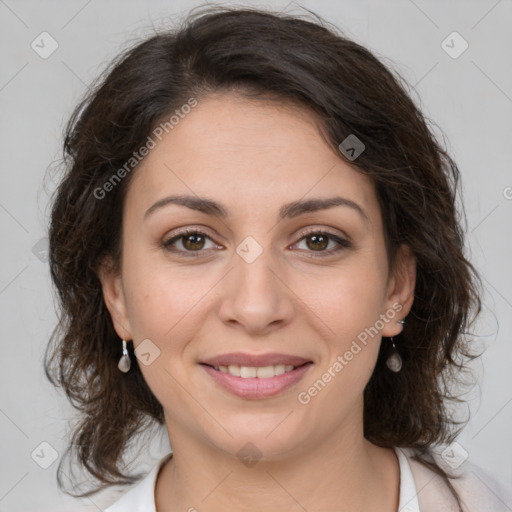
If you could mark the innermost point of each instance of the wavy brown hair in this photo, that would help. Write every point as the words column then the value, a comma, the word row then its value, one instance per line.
column 310, row 63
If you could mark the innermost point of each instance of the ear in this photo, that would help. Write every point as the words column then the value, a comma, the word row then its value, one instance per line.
column 114, row 297
column 400, row 290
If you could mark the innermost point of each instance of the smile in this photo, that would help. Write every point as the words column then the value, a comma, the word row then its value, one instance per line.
column 260, row 372
column 257, row 382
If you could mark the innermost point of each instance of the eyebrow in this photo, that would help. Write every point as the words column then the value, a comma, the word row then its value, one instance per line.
column 287, row 211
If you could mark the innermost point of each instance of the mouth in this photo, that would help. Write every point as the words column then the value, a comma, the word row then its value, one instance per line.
column 256, row 372
column 256, row 377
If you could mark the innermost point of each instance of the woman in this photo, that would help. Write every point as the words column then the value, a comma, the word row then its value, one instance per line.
column 256, row 245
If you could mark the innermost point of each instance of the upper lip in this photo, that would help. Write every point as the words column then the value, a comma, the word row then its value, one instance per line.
column 256, row 360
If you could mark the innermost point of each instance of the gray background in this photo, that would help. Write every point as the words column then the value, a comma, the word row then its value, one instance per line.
column 469, row 97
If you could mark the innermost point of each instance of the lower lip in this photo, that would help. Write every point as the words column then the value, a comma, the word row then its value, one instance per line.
column 257, row 388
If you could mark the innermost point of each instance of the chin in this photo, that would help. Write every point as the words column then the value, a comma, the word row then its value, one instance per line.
column 256, row 436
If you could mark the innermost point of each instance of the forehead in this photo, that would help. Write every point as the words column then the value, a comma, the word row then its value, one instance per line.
column 254, row 155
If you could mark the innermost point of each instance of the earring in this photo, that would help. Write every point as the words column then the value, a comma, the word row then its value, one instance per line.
column 125, row 362
column 394, row 362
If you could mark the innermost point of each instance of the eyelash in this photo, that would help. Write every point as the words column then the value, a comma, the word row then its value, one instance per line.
column 342, row 243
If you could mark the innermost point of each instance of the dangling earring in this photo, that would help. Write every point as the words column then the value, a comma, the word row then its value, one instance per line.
column 394, row 362
column 125, row 362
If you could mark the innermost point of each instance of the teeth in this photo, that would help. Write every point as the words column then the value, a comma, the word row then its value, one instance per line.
column 248, row 372
column 234, row 370
column 279, row 369
column 261, row 372
column 265, row 372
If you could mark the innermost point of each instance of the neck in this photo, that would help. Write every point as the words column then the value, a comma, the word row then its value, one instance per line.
column 344, row 474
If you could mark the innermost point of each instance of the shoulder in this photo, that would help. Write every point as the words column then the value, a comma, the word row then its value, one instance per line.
column 478, row 489
column 140, row 497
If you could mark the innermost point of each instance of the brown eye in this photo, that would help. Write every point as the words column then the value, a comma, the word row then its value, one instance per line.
column 188, row 243
column 193, row 242
column 318, row 242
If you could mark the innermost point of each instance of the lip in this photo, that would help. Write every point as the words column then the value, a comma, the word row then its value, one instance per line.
column 256, row 388
column 257, row 360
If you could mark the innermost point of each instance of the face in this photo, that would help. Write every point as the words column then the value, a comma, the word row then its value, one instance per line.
column 269, row 279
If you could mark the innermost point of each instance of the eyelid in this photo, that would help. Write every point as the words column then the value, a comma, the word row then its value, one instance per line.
column 342, row 240
column 327, row 231
column 181, row 233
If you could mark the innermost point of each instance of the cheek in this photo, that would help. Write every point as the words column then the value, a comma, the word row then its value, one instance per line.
column 161, row 310
column 158, row 306
column 160, row 295
column 351, row 309
column 350, row 300
column 163, row 299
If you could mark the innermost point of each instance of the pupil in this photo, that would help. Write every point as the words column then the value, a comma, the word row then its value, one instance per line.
column 317, row 238
column 192, row 237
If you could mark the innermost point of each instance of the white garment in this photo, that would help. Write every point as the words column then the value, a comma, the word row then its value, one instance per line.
column 421, row 490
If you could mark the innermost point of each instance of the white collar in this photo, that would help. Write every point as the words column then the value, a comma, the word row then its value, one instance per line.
column 408, row 500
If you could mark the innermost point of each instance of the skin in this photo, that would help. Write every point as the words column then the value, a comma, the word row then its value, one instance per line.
column 254, row 156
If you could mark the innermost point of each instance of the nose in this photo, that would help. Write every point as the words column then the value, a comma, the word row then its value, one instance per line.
column 255, row 296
